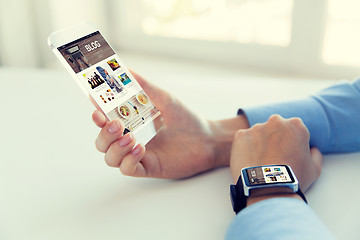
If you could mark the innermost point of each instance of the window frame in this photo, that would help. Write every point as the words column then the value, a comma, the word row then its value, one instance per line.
column 303, row 55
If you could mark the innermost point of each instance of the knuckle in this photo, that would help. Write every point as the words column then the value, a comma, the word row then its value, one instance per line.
column 98, row 145
column 300, row 126
column 109, row 160
column 275, row 121
column 125, row 170
column 239, row 134
column 257, row 127
column 296, row 121
column 275, row 118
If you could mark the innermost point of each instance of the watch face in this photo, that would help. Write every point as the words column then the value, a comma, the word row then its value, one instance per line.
column 268, row 175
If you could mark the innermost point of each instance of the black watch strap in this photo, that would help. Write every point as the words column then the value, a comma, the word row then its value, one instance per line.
column 300, row 193
column 238, row 198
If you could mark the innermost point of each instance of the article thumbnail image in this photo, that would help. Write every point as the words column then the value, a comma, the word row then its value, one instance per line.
column 77, row 58
column 94, row 80
column 124, row 78
column 113, row 64
column 110, row 80
column 134, row 112
column 107, row 96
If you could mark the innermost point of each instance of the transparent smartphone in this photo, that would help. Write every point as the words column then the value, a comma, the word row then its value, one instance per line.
column 101, row 74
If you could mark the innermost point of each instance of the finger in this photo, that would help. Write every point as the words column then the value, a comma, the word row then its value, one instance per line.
column 119, row 149
column 318, row 159
column 110, row 132
column 131, row 165
column 99, row 118
column 314, row 169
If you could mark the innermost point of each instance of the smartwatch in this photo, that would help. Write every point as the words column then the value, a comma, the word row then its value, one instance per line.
column 263, row 180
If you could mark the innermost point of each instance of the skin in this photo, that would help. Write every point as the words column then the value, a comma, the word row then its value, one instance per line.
column 188, row 145
column 185, row 146
column 278, row 141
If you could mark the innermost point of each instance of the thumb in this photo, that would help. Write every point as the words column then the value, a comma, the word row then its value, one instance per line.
column 157, row 95
column 317, row 159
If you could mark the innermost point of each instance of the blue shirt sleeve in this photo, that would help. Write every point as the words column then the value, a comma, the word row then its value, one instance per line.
column 333, row 119
column 332, row 116
column 278, row 218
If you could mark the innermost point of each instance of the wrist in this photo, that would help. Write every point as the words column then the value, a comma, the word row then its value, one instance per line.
column 260, row 183
column 222, row 134
column 258, row 198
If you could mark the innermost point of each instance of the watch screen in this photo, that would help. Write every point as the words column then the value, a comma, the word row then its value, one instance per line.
column 268, row 174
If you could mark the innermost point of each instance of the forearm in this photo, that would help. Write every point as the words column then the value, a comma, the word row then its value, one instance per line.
column 255, row 199
column 332, row 116
column 222, row 135
column 285, row 218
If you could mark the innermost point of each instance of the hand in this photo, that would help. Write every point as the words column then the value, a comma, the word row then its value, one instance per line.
column 187, row 144
column 278, row 141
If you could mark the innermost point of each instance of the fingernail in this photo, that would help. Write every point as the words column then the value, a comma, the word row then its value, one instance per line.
column 125, row 140
column 114, row 128
column 136, row 150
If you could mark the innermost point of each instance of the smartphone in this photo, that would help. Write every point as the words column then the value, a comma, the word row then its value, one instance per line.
column 103, row 77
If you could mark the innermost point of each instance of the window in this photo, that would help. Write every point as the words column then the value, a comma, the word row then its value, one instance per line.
column 314, row 38
column 266, row 22
column 342, row 34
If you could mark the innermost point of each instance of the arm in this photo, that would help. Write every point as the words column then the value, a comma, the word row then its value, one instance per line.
column 200, row 145
column 187, row 145
column 283, row 215
column 332, row 116
column 285, row 218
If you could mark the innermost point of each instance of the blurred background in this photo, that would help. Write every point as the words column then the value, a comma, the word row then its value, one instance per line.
column 214, row 55
column 306, row 38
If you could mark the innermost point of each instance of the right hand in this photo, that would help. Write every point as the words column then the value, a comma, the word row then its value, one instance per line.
column 183, row 147
column 278, row 141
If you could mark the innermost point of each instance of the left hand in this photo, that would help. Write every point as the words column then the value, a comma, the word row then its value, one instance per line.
column 185, row 146
column 278, row 141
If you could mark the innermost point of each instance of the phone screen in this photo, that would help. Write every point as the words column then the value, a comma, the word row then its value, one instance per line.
column 269, row 174
column 101, row 73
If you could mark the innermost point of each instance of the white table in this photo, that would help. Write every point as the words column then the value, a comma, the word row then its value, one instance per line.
column 55, row 185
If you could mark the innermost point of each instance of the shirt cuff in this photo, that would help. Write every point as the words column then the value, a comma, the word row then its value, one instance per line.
column 284, row 218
